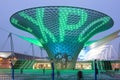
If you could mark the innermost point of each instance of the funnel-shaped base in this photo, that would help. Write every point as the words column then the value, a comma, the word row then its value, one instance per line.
column 63, row 54
column 62, row 30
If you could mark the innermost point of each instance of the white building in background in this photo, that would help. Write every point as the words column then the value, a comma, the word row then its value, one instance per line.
column 104, row 52
column 101, row 49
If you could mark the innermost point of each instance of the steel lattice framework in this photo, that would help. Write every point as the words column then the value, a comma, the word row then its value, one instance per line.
column 62, row 30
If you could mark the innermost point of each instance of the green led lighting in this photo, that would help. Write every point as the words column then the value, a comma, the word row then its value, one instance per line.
column 15, row 21
column 62, row 31
column 31, row 40
column 39, row 23
column 64, row 13
column 104, row 20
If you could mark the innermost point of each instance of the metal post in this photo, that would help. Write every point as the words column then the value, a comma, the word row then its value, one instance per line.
column 52, row 65
column 41, row 52
column 119, row 51
column 96, row 69
column 11, row 44
column 12, row 70
column 33, row 54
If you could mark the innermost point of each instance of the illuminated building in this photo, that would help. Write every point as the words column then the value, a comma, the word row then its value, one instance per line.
column 5, row 56
column 62, row 31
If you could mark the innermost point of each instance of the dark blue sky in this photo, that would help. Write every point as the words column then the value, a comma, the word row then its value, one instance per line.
column 9, row 7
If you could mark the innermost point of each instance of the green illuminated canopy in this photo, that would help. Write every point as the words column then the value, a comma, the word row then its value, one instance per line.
column 62, row 29
column 31, row 40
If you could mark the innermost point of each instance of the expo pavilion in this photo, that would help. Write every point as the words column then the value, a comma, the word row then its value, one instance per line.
column 64, row 32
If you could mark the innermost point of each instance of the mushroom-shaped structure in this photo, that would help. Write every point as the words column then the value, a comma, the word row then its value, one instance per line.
column 62, row 30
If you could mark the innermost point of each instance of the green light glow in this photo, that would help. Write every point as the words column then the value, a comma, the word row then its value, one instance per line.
column 44, row 30
column 62, row 31
column 64, row 13
column 15, row 21
column 104, row 20
column 31, row 40
column 39, row 23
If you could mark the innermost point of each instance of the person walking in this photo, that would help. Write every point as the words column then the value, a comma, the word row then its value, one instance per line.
column 58, row 74
column 79, row 75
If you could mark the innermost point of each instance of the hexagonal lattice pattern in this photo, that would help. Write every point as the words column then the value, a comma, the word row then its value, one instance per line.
column 62, row 30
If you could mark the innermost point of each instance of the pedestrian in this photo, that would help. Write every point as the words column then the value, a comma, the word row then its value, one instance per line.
column 58, row 74
column 79, row 75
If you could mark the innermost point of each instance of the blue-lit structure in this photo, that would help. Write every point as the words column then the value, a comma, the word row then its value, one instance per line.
column 62, row 31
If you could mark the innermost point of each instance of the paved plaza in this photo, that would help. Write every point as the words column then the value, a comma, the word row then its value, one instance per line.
column 64, row 75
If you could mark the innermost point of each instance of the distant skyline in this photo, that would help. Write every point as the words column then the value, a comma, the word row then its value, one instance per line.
column 9, row 7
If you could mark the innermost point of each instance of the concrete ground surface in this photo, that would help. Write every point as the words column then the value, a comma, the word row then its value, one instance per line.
column 5, row 74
